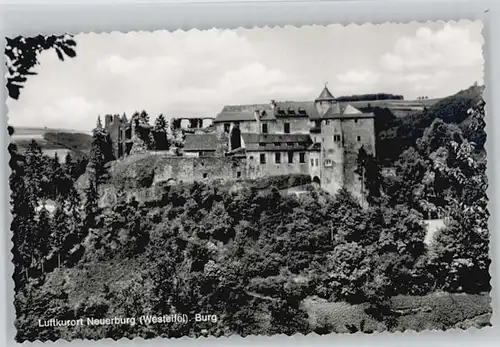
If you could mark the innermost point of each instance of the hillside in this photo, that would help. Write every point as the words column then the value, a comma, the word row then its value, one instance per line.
column 395, row 134
column 53, row 140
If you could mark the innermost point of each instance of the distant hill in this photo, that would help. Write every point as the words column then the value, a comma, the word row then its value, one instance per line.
column 53, row 140
column 395, row 134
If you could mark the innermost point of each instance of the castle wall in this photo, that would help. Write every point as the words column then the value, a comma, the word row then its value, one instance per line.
column 190, row 169
column 357, row 133
column 332, row 157
column 314, row 162
column 113, row 126
column 298, row 125
column 245, row 127
column 255, row 169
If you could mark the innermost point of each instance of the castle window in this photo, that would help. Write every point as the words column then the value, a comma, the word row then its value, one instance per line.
column 263, row 158
column 312, row 162
column 238, row 174
column 316, row 160
column 227, row 126
column 205, row 175
column 287, row 128
column 302, row 158
column 277, row 158
column 336, row 138
column 264, row 128
column 290, row 157
column 359, row 138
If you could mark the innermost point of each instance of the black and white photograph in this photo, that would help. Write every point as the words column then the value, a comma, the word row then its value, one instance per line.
column 250, row 181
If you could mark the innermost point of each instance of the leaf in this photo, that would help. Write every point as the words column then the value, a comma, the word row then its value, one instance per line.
column 70, row 42
column 13, row 89
column 59, row 54
column 69, row 51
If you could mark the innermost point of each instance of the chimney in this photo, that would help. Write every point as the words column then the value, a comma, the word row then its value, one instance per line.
column 272, row 103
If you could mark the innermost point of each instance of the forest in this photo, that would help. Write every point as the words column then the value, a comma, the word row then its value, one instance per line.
column 263, row 261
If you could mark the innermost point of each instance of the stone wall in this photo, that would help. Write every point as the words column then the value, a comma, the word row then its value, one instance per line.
column 255, row 169
column 298, row 125
column 143, row 176
column 145, row 170
column 113, row 125
column 332, row 157
column 357, row 133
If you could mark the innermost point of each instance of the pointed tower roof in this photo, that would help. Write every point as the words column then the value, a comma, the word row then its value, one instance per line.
column 325, row 95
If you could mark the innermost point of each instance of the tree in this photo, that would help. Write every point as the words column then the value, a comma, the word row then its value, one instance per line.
column 22, row 56
column 160, row 132
column 90, row 205
column 23, row 225
column 369, row 172
column 460, row 256
column 34, row 169
column 60, row 229
column 42, row 237
column 100, row 146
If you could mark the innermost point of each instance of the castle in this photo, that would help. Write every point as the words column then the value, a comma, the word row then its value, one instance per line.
column 320, row 138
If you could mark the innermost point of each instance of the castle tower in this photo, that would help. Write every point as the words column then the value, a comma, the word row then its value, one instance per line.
column 324, row 101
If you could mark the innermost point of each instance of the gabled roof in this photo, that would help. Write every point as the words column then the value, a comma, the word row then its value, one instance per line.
column 200, row 142
column 345, row 111
column 325, row 95
column 234, row 116
column 283, row 109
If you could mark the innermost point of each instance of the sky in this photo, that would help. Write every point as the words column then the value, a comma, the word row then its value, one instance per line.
column 195, row 73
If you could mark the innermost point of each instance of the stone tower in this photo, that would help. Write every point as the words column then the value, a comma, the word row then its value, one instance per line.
column 324, row 101
column 344, row 130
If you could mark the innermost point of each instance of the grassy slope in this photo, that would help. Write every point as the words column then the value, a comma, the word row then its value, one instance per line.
column 51, row 138
column 433, row 311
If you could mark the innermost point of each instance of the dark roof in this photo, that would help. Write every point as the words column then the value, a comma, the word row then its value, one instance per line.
column 200, row 142
column 325, row 95
column 234, row 116
column 270, row 138
column 267, row 142
column 283, row 109
column 289, row 109
column 345, row 111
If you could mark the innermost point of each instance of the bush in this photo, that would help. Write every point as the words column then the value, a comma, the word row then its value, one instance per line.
column 438, row 310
